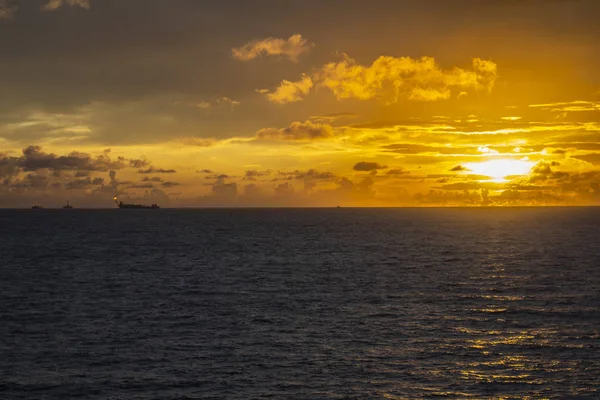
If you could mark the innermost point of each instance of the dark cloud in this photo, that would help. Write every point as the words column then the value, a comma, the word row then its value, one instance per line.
column 9, row 166
column 297, row 131
column 308, row 174
column 544, row 171
column 219, row 177
column 365, row 166
column 33, row 180
column 139, row 163
column 35, row 158
column 153, row 170
column 397, row 171
column 284, row 189
column 253, row 191
column 459, row 168
column 225, row 191
column 252, row 175
column 170, row 184
column 153, row 179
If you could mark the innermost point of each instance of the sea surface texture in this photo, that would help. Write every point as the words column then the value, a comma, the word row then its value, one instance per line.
column 300, row 304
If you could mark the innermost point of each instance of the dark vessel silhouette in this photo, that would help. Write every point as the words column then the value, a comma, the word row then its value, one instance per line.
column 68, row 205
column 120, row 204
column 36, row 207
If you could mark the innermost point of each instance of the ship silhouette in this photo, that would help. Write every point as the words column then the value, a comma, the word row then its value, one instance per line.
column 68, row 205
column 120, row 204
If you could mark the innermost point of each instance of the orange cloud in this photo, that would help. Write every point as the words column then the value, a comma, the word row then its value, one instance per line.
column 292, row 48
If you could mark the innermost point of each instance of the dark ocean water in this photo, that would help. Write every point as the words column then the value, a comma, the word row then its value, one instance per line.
column 300, row 304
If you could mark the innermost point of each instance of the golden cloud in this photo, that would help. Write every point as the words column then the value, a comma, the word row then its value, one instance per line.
column 289, row 92
column 391, row 79
column 292, row 48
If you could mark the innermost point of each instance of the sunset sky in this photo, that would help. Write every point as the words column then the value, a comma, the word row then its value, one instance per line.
column 191, row 103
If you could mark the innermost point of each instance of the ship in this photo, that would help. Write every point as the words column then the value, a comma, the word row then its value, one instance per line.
column 120, row 204
column 68, row 205
column 36, row 207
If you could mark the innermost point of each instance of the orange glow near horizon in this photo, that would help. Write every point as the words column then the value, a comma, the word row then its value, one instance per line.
column 287, row 118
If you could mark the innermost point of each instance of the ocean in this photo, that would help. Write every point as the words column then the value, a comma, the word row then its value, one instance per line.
column 483, row 303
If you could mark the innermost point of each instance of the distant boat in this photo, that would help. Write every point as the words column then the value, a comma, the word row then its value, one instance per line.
column 68, row 205
column 36, row 207
column 120, row 204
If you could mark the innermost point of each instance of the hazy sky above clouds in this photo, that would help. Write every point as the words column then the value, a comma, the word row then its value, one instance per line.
column 299, row 103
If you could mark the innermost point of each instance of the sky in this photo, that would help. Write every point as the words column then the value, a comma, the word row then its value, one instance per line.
column 269, row 103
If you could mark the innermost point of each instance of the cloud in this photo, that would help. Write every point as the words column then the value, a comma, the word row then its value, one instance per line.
column 391, row 79
column 199, row 142
column 543, row 171
column 297, row 131
column 9, row 166
column 224, row 191
column 292, row 48
column 56, row 4
column 228, row 102
column 7, row 10
column 153, row 170
column 473, row 186
column 334, row 116
column 309, row 174
column 53, row 5
column 170, row 184
column 397, row 171
column 290, row 92
column 593, row 158
column 459, row 168
column 252, row 190
column 365, row 166
column 139, row 163
column 153, row 179
column 284, row 189
column 569, row 106
column 85, row 183
column 252, row 175
column 35, row 158
column 222, row 101
column 413, row 148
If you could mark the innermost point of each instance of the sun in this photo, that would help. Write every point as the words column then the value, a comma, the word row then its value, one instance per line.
column 498, row 170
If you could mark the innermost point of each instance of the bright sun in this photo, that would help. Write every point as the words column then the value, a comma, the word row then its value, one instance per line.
column 498, row 170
